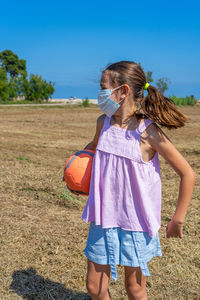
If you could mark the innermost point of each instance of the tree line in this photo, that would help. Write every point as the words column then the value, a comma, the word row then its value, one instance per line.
column 14, row 81
column 15, row 84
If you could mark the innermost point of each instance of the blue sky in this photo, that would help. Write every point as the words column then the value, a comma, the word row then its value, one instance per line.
column 70, row 42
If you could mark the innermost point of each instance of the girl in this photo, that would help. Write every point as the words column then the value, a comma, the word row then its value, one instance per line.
column 124, row 203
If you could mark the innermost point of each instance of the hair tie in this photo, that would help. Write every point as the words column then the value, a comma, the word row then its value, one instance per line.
column 146, row 86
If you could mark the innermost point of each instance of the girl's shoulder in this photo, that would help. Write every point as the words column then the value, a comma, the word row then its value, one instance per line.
column 100, row 119
column 100, row 122
column 153, row 131
column 154, row 136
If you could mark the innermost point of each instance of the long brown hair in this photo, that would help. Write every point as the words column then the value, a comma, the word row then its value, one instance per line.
column 156, row 106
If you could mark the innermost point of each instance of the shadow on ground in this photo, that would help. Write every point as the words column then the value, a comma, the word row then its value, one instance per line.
column 31, row 286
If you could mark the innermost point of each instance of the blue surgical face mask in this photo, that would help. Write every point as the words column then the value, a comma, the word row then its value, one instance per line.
column 107, row 105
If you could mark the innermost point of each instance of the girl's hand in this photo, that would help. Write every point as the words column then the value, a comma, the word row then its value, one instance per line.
column 174, row 229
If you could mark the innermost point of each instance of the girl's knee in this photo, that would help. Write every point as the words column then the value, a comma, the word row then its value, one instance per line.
column 135, row 283
column 97, row 279
column 97, row 292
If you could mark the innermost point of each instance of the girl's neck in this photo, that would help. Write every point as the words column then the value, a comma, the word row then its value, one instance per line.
column 126, row 117
column 130, row 122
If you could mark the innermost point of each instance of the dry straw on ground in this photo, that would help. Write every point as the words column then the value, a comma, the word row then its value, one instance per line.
column 42, row 235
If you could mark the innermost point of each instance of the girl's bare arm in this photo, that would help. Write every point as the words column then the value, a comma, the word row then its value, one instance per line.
column 92, row 145
column 161, row 143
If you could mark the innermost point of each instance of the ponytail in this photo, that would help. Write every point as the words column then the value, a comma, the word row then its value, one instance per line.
column 162, row 110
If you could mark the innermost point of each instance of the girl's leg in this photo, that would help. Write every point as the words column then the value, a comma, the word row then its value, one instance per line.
column 135, row 283
column 97, row 280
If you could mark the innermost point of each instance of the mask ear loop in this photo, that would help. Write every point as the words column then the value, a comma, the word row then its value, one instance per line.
column 120, row 101
column 116, row 89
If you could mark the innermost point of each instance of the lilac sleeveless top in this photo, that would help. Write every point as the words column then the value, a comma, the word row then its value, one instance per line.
column 125, row 191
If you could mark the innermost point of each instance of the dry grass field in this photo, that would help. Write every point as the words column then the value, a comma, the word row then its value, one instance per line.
column 42, row 235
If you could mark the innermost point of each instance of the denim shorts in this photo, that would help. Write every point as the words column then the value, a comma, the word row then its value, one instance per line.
column 116, row 246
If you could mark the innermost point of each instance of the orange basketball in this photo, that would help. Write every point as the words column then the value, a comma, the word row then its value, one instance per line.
column 77, row 171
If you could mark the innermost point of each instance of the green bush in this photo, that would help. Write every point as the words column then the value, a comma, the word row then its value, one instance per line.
column 188, row 100
column 86, row 102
